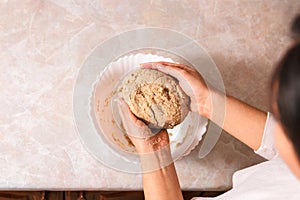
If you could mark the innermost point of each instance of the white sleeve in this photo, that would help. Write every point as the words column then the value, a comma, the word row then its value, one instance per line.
column 267, row 148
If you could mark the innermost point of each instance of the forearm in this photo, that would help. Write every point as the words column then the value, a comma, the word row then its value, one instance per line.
column 242, row 121
column 162, row 184
column 160, row 180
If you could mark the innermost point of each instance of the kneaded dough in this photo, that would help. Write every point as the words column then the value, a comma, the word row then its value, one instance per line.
column 155, row 97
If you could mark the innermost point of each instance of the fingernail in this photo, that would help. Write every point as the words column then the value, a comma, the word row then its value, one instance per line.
column 146, row 65
column 119, row 101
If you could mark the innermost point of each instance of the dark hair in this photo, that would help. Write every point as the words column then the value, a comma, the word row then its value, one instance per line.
column 295, row 27
column 286, row 85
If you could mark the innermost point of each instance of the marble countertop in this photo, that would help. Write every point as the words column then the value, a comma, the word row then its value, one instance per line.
column 43, row 44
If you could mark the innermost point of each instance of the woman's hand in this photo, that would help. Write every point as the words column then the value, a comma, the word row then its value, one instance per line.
column 160, row 181
column 139, row 133
column 190, row 81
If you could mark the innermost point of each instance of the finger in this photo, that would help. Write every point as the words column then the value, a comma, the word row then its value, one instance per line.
column 175, row 70
column 162, row 64
column 157, row 65
column 149, row 65
column 126, row 115
column 172, row 69
column 174, row 65
column 133, row 126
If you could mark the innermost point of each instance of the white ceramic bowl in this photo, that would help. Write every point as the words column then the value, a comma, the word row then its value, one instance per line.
column 183, row 138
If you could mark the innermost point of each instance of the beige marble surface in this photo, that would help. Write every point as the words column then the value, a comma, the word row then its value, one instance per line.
column 44, row 43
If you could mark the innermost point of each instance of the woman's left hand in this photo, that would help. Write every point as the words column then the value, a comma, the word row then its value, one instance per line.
column 139, row 133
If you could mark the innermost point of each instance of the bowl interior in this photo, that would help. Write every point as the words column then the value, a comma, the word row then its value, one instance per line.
column 106, row 116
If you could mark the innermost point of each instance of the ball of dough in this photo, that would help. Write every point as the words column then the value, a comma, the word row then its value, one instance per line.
column 155, row 97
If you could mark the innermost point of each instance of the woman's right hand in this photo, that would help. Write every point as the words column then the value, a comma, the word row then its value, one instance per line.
column 190, row 81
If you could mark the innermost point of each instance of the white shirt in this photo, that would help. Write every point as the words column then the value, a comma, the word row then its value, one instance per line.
column 271, row 179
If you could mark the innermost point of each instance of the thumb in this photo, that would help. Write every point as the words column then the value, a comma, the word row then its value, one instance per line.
column 125, row 114
column 133, row 126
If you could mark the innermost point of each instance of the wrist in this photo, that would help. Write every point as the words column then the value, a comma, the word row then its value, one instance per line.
column 210, row 106
column 156, row 160
column 152, row 146
column 204, row 104
column 155, row 143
